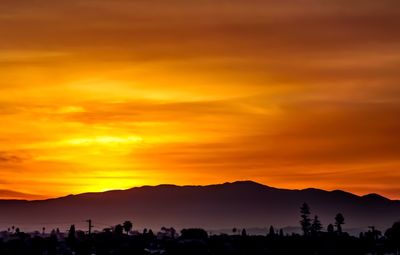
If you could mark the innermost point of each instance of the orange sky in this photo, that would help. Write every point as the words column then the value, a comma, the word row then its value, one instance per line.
column 98, row 94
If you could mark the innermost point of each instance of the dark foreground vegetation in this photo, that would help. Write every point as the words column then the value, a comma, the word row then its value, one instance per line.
column 122, row 240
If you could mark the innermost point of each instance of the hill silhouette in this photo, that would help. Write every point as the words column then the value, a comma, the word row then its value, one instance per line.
column 239, row 204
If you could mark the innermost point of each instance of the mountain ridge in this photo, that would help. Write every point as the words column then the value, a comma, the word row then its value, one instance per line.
column 217, row 206
column 248, row 182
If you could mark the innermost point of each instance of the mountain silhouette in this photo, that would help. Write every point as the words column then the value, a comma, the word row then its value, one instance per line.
column 223, row 206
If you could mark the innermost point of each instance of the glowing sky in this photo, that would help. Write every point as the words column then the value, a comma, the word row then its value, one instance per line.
column 100, row 94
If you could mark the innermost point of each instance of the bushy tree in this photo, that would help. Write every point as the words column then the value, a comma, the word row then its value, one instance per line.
column 194, row 233
column 119, row 229
column 393, row 236
column 150, row 233
column 394, row 232
column 330, row 228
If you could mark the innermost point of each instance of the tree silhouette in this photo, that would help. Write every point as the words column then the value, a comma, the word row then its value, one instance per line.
column 199, row 242
column 271, row 231
column 127, row 226
column 330, row 228
column 339, row 221
column 119, row 229
column 172, row 232
column 316, row 225
column 393, row 236
column 394, row 232
column 150, row 233
column 71, row 232
column 194, row 233
column 305, row 218
column 71, row 239
column 234, row 230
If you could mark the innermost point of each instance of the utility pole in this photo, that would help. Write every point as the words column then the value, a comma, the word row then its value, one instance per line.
column 90, row 226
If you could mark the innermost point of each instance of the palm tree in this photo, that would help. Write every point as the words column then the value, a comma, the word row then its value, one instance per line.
column 127, row 226
column 339, row 221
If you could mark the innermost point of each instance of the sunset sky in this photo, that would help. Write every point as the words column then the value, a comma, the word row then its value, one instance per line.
column 98, row 94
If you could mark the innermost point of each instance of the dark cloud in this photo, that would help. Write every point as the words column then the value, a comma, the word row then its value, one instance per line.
column 182, row 28
column 6, row 157
column 10, row 194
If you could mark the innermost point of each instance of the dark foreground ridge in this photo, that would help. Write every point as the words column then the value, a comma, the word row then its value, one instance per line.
column 242, row 204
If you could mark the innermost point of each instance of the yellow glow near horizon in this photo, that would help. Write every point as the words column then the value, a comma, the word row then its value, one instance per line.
column 104, row 140
column 107, row 95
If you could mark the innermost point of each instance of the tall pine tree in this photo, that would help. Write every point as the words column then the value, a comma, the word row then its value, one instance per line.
column 305, row 221
column 316, row 225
